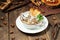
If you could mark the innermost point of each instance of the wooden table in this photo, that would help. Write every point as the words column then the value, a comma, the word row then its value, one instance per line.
column 9, row 31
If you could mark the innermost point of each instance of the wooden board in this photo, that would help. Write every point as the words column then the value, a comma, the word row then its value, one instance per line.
column 10, row 31
column 18, row 35
column 16, row 4
column 46, row 10
column 4, row 35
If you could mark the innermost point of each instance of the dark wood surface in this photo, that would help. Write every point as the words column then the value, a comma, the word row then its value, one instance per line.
column 9, row 31
column 4, row 26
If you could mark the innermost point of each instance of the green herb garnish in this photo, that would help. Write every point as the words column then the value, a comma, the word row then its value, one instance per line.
column 39, row 17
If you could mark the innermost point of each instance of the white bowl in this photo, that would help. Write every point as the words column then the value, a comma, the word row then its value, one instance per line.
column 31, row 28
column 34, row 26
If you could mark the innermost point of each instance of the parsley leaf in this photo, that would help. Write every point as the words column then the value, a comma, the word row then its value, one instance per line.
column 39, row 17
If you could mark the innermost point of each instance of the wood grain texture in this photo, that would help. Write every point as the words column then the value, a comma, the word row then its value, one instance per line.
column 9, row 31
column 16, row 4
column 4, row 26
column 16, row 33
column 20, row 35
column 45, row 35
